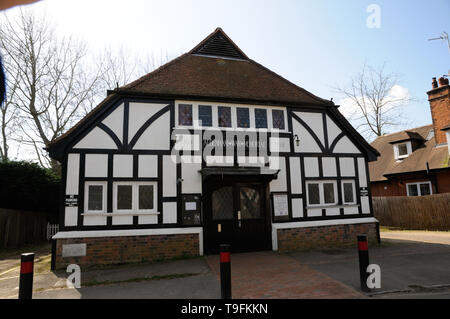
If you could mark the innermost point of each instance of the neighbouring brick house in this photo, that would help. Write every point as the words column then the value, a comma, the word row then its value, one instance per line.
column 416, row 162
column 210, row 148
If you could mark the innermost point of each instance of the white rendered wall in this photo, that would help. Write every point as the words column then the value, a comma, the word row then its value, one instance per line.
column 96, row 165
column 315, row 122
column 365, row 207
column 71, row 216
column 72, row 179
column 115, row 121
column 347, row 166
column 169, row 176
column 346, row 146
column 94, row 220
column 192, row 178
column 148, row 166
column 307, row 142
column 311, row 166
column 297, row 207
column 122, row 165
column 169, row 213
column 296, row 176
column 139, row 113
column 332, row 129
column 279, row 184
column 362, row 172
column 156, row 136
column 98, row 139
column 329, row 166
column 73, row 171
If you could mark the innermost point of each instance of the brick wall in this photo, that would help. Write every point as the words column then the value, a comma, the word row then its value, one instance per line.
column 131, row 249
column 439, row 99
column 293, row 239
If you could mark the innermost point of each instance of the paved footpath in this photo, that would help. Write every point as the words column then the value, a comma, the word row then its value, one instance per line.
column 420, row 236
column 272, row 275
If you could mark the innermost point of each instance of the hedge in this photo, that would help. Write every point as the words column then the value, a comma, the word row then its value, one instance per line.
column 28, row 186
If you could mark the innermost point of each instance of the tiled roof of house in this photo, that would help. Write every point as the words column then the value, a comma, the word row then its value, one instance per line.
column 437, row 157
column 210, row 70
column 215, row 68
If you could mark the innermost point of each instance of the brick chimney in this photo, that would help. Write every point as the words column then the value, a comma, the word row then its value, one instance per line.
column 439, row 98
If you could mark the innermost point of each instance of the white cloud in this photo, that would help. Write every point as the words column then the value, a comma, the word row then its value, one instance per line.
column 397, row 95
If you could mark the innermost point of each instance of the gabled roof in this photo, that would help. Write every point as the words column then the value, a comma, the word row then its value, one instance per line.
column 220, row 45
column 216, row 68
column 437, row 158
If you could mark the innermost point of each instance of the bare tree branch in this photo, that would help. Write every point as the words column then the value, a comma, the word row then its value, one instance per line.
column 376, row 109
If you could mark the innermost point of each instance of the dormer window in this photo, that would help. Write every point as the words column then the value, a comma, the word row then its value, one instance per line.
column 402, row 150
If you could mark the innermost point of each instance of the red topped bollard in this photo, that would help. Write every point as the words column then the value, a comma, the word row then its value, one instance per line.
column 26, row 276
column 363, row 252
column 225, row 271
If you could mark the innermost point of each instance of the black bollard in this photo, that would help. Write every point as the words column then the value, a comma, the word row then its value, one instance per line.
column 225, row 271
column 53, row 260
column 26, row 276
column 363, row 251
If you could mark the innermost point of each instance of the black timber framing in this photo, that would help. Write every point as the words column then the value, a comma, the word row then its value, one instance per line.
column 126, row 148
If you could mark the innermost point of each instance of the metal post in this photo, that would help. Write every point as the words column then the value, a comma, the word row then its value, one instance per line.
column 26, row 276
column 363, row 251
column 225, row 271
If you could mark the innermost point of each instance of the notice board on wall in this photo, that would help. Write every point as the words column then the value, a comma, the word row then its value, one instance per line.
column 280, row 205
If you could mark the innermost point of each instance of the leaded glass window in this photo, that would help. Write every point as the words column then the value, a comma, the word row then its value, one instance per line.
column 250, row 203
column 185, row 114
column 243, row 118
column 205, row 115
column 224, row 113
column 313, row 194
column 328, row 193
column 348, row 193
column 278, row 119
column 124, row 197
column 222, row 203
column 95, row 197
column 146, row 196
column 261, row 118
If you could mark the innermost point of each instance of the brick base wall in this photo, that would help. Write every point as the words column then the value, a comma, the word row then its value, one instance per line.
column 293, row 239
column 130, row 249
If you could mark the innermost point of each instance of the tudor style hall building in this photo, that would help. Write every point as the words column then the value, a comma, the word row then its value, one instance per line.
column 210, row 148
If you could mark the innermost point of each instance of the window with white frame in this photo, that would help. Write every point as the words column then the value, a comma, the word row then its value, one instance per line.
column 321, row 193
column 134, row 197
column 419, row 189
column 348, row 192
column 402, row 150
column 95, row 197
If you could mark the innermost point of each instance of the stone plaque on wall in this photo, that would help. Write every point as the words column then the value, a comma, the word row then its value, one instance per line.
column 74, row 250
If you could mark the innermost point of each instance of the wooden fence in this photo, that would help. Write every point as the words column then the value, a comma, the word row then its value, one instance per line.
column 430, row 212
column 18, row 228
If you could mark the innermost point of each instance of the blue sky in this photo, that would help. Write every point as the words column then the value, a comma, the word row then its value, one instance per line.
column 318, row 45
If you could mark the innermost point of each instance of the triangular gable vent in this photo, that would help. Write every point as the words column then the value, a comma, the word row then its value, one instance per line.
column 220, row 45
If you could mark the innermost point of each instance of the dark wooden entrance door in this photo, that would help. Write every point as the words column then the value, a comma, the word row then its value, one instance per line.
column 236, row 214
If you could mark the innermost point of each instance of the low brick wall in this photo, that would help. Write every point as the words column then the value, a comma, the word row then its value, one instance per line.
column 293, row 239
column 130, row 249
